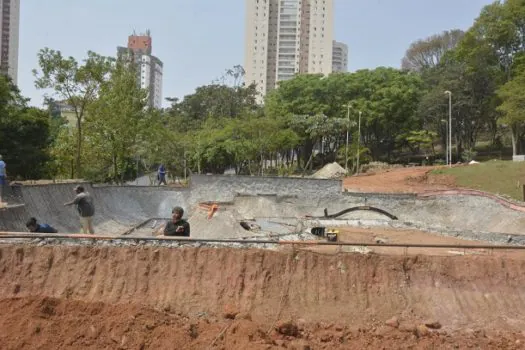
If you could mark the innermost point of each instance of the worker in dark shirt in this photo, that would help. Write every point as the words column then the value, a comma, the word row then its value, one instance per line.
column 177, row 226
column 33, row 226
column 85, row 208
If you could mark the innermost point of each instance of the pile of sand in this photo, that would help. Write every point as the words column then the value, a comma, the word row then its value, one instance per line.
column 330, row 171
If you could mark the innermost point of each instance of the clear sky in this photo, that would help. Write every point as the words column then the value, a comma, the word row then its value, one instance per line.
column 198, row 39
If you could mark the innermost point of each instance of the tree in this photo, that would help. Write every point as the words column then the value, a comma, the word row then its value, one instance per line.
column 427, row 53
column 387, row 97
column 218, row 99
column 513, row 108
column 76, row 84
column 497, row 39
column 472, row 100
column 116, row 123
column 24, row 132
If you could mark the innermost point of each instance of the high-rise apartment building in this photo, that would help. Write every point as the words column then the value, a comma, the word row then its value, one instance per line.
column 339, row 57
column 287, row 37
column 149, row 67
column 10, row 27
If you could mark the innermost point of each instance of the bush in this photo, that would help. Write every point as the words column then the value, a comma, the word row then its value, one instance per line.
column 468, row 155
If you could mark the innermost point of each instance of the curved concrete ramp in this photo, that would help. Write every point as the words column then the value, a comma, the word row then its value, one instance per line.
column 117, row 208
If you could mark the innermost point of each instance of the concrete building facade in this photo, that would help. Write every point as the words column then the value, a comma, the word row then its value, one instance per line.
column 9, row 37
column 287, row 37
column 149, row 67
column 339, row 57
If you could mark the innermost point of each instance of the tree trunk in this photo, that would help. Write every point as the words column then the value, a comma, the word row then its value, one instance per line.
column 514, row 130
column 309, row 162
column 79, row 147
column 458, row 147
column 115, row 169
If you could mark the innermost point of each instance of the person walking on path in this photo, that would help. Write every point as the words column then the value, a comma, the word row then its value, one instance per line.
column 3, row 175
column 85, row 207
column 161, row 175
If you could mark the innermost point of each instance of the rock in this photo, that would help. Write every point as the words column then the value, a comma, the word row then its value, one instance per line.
column 287, row 328
column 243, row 316
column 301, row 324
column 422, row 331
column 325, row 325
column 433, row 324
column 380, row 240
column 123, row 342
column 407, row 327
column 393, row 322
column 230, row 312
column 299, row 345
column 352, row 332
column 339, row 328
column 325, row 338
column 280, row 343
column 383, row 330
column 193, row 331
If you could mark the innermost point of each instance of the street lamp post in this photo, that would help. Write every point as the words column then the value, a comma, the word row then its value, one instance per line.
column 358, row 141
column 449, row 127
column 444, row 121
column 347, row 127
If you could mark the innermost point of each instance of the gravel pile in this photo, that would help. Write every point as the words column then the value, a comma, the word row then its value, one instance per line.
column 330, row 171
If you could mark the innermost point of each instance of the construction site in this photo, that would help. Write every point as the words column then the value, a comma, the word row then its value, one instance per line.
column 272, row 262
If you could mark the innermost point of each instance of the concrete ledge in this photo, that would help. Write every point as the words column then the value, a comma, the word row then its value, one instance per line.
column 505, row 202
column 381, row 195
column 518, row 158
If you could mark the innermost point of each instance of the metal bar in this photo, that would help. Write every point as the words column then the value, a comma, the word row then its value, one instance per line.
column 25, row 235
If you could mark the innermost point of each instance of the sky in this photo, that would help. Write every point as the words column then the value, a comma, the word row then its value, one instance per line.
column 199, row 39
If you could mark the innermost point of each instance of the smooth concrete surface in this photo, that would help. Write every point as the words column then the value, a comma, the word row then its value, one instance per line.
column 263, row 199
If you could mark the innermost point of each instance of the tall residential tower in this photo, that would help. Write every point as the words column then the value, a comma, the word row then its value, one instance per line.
column 286, row 37
column 339, row 57
column 149, row 67
column 9, row 24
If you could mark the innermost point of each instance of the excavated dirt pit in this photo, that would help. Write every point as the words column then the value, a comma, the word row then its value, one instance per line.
column 70, row 297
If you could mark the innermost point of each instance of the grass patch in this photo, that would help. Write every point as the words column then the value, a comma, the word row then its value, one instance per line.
column 504, row 178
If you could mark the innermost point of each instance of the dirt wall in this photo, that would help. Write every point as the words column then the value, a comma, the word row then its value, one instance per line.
column 459, row 291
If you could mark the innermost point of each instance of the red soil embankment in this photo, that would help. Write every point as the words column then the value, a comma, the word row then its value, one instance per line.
column 57, row 295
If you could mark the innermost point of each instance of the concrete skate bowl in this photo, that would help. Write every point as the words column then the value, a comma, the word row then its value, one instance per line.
column 74, row 297
column 288, row 201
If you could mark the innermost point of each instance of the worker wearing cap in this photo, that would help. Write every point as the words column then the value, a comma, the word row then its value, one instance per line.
column 85, row 207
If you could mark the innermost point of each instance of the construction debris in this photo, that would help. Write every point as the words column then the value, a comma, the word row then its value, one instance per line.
column 330, row 171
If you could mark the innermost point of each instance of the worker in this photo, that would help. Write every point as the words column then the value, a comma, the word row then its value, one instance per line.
column 33, row 226
column 85, row 208
column 177, row 226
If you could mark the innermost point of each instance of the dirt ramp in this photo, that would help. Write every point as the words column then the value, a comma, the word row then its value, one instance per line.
column 460, row 291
